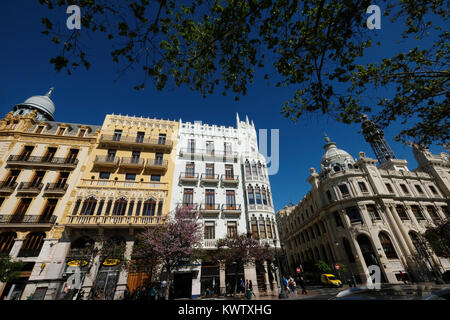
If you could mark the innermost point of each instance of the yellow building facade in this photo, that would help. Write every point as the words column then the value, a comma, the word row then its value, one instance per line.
column 126, row 187
column 41, row 162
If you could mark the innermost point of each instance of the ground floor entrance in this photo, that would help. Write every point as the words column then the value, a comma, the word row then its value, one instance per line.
column 182, row 285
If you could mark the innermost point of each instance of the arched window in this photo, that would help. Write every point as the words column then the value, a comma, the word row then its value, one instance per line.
column 254, row 172
column 32, row 245
column 258, row 195
column 119, row 207
column 337, row 168
column 254, row 225
column 149, row 208
column 251, row 195
column 88, row 206
column 262, row 229
column 6, row 242
column 387, row 246
column 260, row 173
column 264, row 196
column 247, row 169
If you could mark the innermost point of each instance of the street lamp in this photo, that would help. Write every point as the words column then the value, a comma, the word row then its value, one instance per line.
column 283, row 294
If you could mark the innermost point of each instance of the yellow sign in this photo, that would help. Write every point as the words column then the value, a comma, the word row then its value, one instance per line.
column 111, row 262
column 77, row 263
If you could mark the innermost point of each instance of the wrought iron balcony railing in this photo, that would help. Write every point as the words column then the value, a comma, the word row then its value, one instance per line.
column 27, row 219
column 20, row 160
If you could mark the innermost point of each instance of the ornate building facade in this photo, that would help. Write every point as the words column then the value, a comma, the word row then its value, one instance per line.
column 218, row 171
column 360, row 214
column 41, row 161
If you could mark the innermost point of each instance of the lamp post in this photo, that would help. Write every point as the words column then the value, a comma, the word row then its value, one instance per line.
column 283, row 294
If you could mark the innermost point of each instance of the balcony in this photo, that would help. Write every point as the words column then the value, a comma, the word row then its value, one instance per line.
column 260, row 207
column 7, row 187
column 16, row 221
column 114, row 221
column 188, row 206
column 189, row 177
column 231, row 208
column 209, row 243
column 256, row 178
column 229, row 180
column 110, row 162
column 156, row 165
column 209, row 178
column 209, row 208
column 136, row 142
column 122, row 184
column 132, row 163
column 29, row 188
column 45, row 162
column 208, row 155
column 55, row 189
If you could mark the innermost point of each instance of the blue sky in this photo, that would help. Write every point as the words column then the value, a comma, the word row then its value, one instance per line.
column 86, row 96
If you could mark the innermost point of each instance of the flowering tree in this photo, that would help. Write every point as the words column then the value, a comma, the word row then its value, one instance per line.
column 242, row 250
column 172, row 243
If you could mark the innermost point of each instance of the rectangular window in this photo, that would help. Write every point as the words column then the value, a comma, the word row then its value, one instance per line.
column 48, row 210
column 22, row 208
column 209, row 171
column 254, row 225
column 401, row 213
column 190, row 169
column 404, row 188
column 210, row 230
column 117, row 135
column 269, row 231
column 373, row 213
column 130, row 176
column 73, row 153
column 229, row 174
column 155, row 177
column 104, row 175
column 433, row 189
column 159, row 158
column 227, row 147
column 417, row 213
column 12, row 177
column 188, row 196
column 135, row 155
column 39, row 129
column 26, row 153
column 162, row 138
column 209, row 199
column 445, row 211
column 251, row 197
column 191, row 145
column 81, row 133
column 419, row 189
column 389, row 187
column 60, row 131
column 210, row 147
column 49, row 155
column 362, row 187
column 111, row 155
column 231, row 229
column 231, row 200
column 140, row 137
column 433, row 214
column 37, row 179
column 353, row 214
column 344, row 190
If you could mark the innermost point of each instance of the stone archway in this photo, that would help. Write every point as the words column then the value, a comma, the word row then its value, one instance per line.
column 370, row 256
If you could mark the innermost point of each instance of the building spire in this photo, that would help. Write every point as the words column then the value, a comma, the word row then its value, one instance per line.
column 375, row 136
column 327, row 139
column 49, row 93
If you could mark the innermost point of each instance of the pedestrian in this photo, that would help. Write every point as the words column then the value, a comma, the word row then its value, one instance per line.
column 242, row 287
column 403, row 277
column 302, row 284
column 80, row 295
column 152, row 293
column 292, row 285
column 285, row 284
column 250, row 286
column 126, row 294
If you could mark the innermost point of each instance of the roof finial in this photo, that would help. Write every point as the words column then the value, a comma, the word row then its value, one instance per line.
column 326, row 138
column 49, row 93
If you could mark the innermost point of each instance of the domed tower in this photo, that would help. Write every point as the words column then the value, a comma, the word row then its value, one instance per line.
column 42, row 104
column 335, row 159
column 375, row 137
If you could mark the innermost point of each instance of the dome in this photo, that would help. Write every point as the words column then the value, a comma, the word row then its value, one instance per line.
column 42, row 103
column 335, row 159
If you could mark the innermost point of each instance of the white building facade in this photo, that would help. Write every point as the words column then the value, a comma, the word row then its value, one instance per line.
column 213, row 173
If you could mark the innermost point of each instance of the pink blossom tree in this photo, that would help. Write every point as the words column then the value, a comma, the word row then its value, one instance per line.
column 172, row 243
column 242, row 250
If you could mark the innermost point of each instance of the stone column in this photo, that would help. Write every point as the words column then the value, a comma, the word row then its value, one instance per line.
column 250, row 274
column 266, row 279
column 123, row 276
column 222, row 281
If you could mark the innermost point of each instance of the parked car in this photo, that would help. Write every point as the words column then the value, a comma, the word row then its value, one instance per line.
column 329, row 279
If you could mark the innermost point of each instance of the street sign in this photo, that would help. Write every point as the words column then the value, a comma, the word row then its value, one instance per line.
column 336, row 266
column 298, row 270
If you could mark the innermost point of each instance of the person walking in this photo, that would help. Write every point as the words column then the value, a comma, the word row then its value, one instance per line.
column 152, row 293
column 302, row 284
column 242, row 287
column 285, row 284
column 250, row 286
